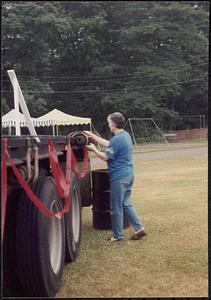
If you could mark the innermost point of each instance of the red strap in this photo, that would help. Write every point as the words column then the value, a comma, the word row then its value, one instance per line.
column 37, row 202
column 62, row 184
column 68, row 165
column 85, row 165
column 56, row 170
column 4, row 188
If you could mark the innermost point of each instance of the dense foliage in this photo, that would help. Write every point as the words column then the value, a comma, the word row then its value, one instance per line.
column 143, row 58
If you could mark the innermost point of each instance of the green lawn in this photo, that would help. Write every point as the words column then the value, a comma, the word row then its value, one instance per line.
column 170, row 195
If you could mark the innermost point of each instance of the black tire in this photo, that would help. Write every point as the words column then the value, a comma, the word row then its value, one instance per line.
column 11, row 284
column 40, row 242
column 73, row 223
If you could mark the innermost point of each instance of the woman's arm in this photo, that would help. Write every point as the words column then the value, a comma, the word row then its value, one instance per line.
column 99, row 154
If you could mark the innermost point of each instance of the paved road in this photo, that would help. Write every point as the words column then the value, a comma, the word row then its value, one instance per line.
column 170, row 153
column 97, row 163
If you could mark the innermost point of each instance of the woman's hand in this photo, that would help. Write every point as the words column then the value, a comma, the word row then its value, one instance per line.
column 91, row 147
column 97, row 139
column 89, row 134
column 101, row 155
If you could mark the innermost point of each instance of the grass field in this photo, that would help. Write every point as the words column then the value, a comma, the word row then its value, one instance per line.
column 170, row 195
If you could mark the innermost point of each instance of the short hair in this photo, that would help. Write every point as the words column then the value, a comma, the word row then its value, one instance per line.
column 118, row 119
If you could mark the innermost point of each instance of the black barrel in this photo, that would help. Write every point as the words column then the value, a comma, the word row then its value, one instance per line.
column 101, row 201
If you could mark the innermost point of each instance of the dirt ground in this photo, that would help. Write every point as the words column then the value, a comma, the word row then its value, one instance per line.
column 97, row 163
column 191, row 133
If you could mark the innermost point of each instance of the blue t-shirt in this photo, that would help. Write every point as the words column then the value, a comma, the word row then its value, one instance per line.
column 119, row 152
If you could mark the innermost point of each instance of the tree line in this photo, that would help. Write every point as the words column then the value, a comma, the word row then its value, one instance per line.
column 143, row 58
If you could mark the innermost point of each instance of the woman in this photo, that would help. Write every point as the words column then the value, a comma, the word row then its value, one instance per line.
column 118, row 154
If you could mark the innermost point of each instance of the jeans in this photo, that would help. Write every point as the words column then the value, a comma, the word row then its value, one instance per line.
column 120, row 191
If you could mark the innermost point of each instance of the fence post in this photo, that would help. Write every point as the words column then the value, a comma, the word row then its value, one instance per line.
column 160, row 131
column 132, row 133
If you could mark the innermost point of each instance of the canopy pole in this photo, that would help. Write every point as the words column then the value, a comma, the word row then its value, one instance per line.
column 53, row 130
column 9, row 131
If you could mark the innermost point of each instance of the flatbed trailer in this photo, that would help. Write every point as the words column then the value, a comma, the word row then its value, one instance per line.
column 36, row 246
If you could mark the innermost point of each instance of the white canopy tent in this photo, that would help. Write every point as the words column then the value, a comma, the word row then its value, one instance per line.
column 57, row 117
column 52, row 118
column 10, row 119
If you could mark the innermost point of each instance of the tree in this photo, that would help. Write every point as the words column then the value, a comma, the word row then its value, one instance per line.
column 144, row 58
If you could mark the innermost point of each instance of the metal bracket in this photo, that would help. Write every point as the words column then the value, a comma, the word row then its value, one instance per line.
column 19, row 100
